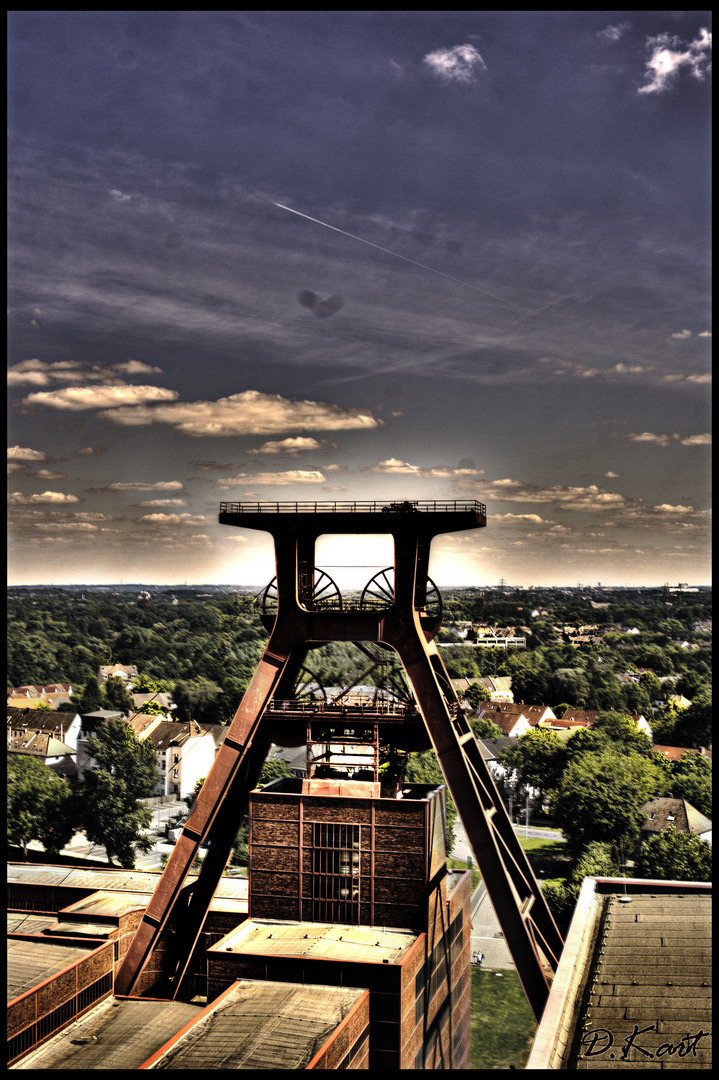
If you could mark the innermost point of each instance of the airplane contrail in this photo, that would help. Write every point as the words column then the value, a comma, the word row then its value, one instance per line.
column 387, row 251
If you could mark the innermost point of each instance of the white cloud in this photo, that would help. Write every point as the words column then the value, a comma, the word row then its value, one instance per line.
column 705, row 333
column 460, row 64
column 76, row 398
column 163, row 502
column 287, row 446
column 704, row 439
column 590, row 498
column 119, row 197
column 135, row 367
column 296, row 476
column 89, row 451
column 247, row 413
column 630, row 369
column 394, row 466
column 613, row 33
column 161, row 485
column 613, row 475
column 668, row 57
column 21, row 453
column 16, row 498
column 49, row 474
column 683, row 334
column 67, row 526
column 170, row 519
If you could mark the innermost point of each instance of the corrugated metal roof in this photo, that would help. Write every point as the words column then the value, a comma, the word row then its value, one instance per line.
column 116, row 1034
column 28, row 922
column 109, row 903
column 31, row 962
column 262, row 1025
column 364, row 944
column 650, row 986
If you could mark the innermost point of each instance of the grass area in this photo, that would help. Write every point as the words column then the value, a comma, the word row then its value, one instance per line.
column 503, row 1026
column 547, row 848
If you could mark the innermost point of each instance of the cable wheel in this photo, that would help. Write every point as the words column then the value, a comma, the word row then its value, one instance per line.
column 378, row 593
column 325, row 593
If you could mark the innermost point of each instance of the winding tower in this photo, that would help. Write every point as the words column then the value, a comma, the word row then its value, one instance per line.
column 400, row 611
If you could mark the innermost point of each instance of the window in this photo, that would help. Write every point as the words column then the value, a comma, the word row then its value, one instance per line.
column 336, row 872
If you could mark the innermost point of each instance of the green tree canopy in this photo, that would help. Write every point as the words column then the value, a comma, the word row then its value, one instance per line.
column 126, row 771
column 600, row 794
column 691, row 779
column 673, row 856
column 538, row 758
column 40, row 805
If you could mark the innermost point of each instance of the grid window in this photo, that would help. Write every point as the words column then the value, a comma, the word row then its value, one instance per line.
column 336, row 872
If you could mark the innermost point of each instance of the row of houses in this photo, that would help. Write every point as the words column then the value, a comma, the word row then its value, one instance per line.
column 516, row 719
column 185, row 750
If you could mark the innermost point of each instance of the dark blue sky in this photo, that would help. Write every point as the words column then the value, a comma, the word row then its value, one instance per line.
column 527, row 321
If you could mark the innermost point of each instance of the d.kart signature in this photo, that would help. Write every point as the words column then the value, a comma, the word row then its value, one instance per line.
column 599, row 1041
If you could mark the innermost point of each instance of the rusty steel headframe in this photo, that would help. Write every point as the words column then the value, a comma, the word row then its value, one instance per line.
column 402, row 624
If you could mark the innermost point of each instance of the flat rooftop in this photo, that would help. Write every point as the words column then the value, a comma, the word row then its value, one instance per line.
column 633, row 987
column 31, row 962
column 261, row 1025
column 114, row 881
column 118, row 1033
column 325, row 941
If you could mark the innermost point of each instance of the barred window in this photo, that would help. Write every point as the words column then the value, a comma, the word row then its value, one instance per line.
column 336, row 872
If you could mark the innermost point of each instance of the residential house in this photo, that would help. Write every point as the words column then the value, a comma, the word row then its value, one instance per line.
column 185, row 754
column 515, row 719
column 586, row 717
column 62, row 726
column 665, row 812
column 499, row 687
column 162, row 699
column 676, row 753
column 122, row 671
column 89, row 725
column 57, row 755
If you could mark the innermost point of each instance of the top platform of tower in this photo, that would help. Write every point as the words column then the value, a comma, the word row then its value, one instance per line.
column 420, row 517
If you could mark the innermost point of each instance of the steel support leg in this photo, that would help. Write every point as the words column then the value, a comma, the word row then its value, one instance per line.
column 526, row 921
column 233, row 775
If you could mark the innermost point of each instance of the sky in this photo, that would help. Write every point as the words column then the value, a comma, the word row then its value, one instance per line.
column 363, row 255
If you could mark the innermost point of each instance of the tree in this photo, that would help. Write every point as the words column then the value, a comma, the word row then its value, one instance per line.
column 694, row 726
column 538, row 758
column 39, row 805
column 118, row 696
column 91, row 697
column 126, row 771
column 197, row 701
column 620, row 728
column 673, row 856
column 482, row 728
column 424, row 768
column 691, row 779
column 476, row 694
column 597, row 860
column 600, row 794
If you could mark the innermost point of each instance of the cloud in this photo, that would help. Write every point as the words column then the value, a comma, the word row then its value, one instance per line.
column 119, row 197
column 246, row 413
column 287, row 446
column 460, row 64
column 613, row 475
column 590, row 498
column 394, row 466
column 160, row 485
column 705, row 333
column 163, row 502
column 77, row 398
column 170, row 519
column 89, row 451
column 683, row 334
column 76, row 526
column 630, row 369
column 297, row 476
column 613, row 33
column 136, row 367
column 21, row 453
column 49, row 474
column 16, row 498
column 319, row 307
column 703, row 439
column 534, row 519
column 668, row 57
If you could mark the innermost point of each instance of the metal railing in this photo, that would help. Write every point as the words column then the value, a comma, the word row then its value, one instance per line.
column 385, row 507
